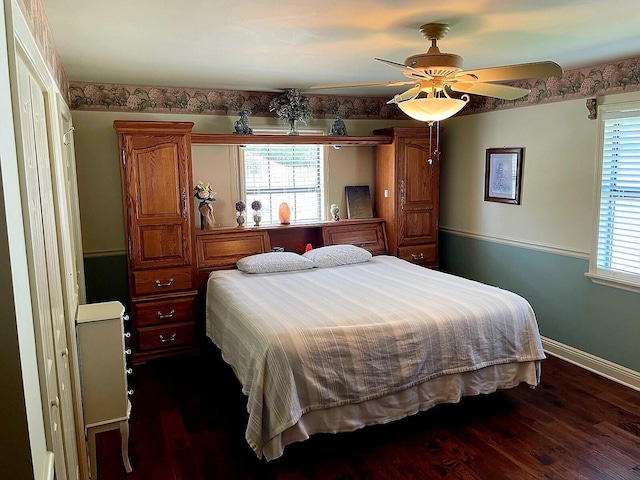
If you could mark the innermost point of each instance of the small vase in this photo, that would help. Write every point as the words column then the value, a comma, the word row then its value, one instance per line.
column 257, row 218
column 293, row 127
column 240, row 219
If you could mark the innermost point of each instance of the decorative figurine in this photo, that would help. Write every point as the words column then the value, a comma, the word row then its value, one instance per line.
column 242, row 124
column 257, row 216
column 338, row 127
column 203, row 192
column 335, row 209
column 240, row 208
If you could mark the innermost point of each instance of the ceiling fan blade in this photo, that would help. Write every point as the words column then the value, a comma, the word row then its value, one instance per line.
column 408, row 95
column 408, row 71
column 505, row 92
column 511, row 72
column 363, row 84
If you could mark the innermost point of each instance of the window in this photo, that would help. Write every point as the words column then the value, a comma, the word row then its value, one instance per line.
column 615, row 259
column 276, row 173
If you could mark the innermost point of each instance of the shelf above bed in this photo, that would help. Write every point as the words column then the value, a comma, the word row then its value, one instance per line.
column 231, row 139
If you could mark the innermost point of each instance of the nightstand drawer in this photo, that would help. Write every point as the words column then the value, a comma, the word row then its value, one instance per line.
column 420, row 254
column 166, row 336
column 150, row 282
column 172, row 310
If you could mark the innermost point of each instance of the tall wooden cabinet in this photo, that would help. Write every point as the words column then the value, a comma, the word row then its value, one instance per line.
column 158, row 206
column 407, row 193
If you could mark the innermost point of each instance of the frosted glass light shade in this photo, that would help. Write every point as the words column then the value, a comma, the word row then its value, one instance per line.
column 431, row 109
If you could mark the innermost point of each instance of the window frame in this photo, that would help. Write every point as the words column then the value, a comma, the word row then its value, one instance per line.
column 324, row 169
column 598, row 274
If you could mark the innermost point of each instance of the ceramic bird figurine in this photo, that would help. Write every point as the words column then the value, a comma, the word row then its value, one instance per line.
column 334, row 209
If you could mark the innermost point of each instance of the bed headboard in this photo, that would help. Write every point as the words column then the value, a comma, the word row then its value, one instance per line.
column 221, row 248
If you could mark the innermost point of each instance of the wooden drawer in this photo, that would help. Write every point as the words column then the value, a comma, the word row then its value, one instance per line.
column 425, row 254
column 170, row 310
column 166, row 280
column 166, row 336
column 217, row 250
column 370, row 236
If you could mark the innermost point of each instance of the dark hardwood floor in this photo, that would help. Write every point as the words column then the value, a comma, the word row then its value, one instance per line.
column 189, row 417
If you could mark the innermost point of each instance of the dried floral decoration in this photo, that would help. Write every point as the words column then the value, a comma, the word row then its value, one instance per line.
column 203, row 192
column 291, row 105
column 256, row 205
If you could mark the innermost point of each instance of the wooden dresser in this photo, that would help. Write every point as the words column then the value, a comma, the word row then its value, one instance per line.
column 158, row 206
column 407, row 193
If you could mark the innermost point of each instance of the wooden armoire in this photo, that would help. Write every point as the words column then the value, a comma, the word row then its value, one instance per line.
column 407, row 192
column 158, row 206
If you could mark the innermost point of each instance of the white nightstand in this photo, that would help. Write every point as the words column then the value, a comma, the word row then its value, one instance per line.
column 103, row 374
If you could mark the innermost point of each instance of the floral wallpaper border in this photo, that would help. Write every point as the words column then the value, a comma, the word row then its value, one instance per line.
column 605, row 79
column 34, row 14
column 137, row 98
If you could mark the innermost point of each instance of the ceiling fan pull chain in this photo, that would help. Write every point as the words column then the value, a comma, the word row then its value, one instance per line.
column 430, row 161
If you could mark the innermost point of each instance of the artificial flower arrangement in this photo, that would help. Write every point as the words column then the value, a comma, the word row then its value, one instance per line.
column 203, row 192
column 291, row 107
column 256, row 205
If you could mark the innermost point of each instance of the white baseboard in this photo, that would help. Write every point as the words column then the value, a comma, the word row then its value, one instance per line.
column 612, row 371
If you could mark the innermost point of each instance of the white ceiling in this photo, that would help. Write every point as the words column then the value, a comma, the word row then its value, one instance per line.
column 271, row 45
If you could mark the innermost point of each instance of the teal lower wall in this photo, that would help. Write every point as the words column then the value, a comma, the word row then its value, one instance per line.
column 570, row 308
column 106, row 279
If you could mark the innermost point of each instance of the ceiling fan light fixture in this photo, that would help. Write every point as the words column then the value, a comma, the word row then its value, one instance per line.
column 433, row 109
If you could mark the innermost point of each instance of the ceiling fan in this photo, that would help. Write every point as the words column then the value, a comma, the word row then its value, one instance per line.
column 438, row 74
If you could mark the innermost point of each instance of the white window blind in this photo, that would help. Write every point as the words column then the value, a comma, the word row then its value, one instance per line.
column 276, row 173
column 618, row 246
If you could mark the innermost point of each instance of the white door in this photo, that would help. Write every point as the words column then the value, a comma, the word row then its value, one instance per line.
column 44, row 274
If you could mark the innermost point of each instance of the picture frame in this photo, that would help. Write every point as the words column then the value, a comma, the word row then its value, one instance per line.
column 358, row 201
column 503, row 175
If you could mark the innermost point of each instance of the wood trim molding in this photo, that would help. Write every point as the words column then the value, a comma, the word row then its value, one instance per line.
column 605, row 368
column 230, row 139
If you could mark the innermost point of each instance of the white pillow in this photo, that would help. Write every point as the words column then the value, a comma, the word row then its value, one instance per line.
column 334, row 255
column 273, row 262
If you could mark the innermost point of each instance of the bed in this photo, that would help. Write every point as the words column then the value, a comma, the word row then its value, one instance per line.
column 337, row 345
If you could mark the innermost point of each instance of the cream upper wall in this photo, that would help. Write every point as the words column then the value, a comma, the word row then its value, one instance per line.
column 557, row 184
column 98, row 169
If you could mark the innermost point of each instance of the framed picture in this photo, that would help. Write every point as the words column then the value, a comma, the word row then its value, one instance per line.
column 358, row 201
column 503, row 175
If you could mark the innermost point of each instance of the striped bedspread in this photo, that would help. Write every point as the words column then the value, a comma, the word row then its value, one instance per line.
column 324, row 337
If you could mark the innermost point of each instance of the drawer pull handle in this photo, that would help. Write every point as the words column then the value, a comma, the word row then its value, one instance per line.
column 168, row 315
column 160, row 284
column 417, row 257
column 170, row 339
